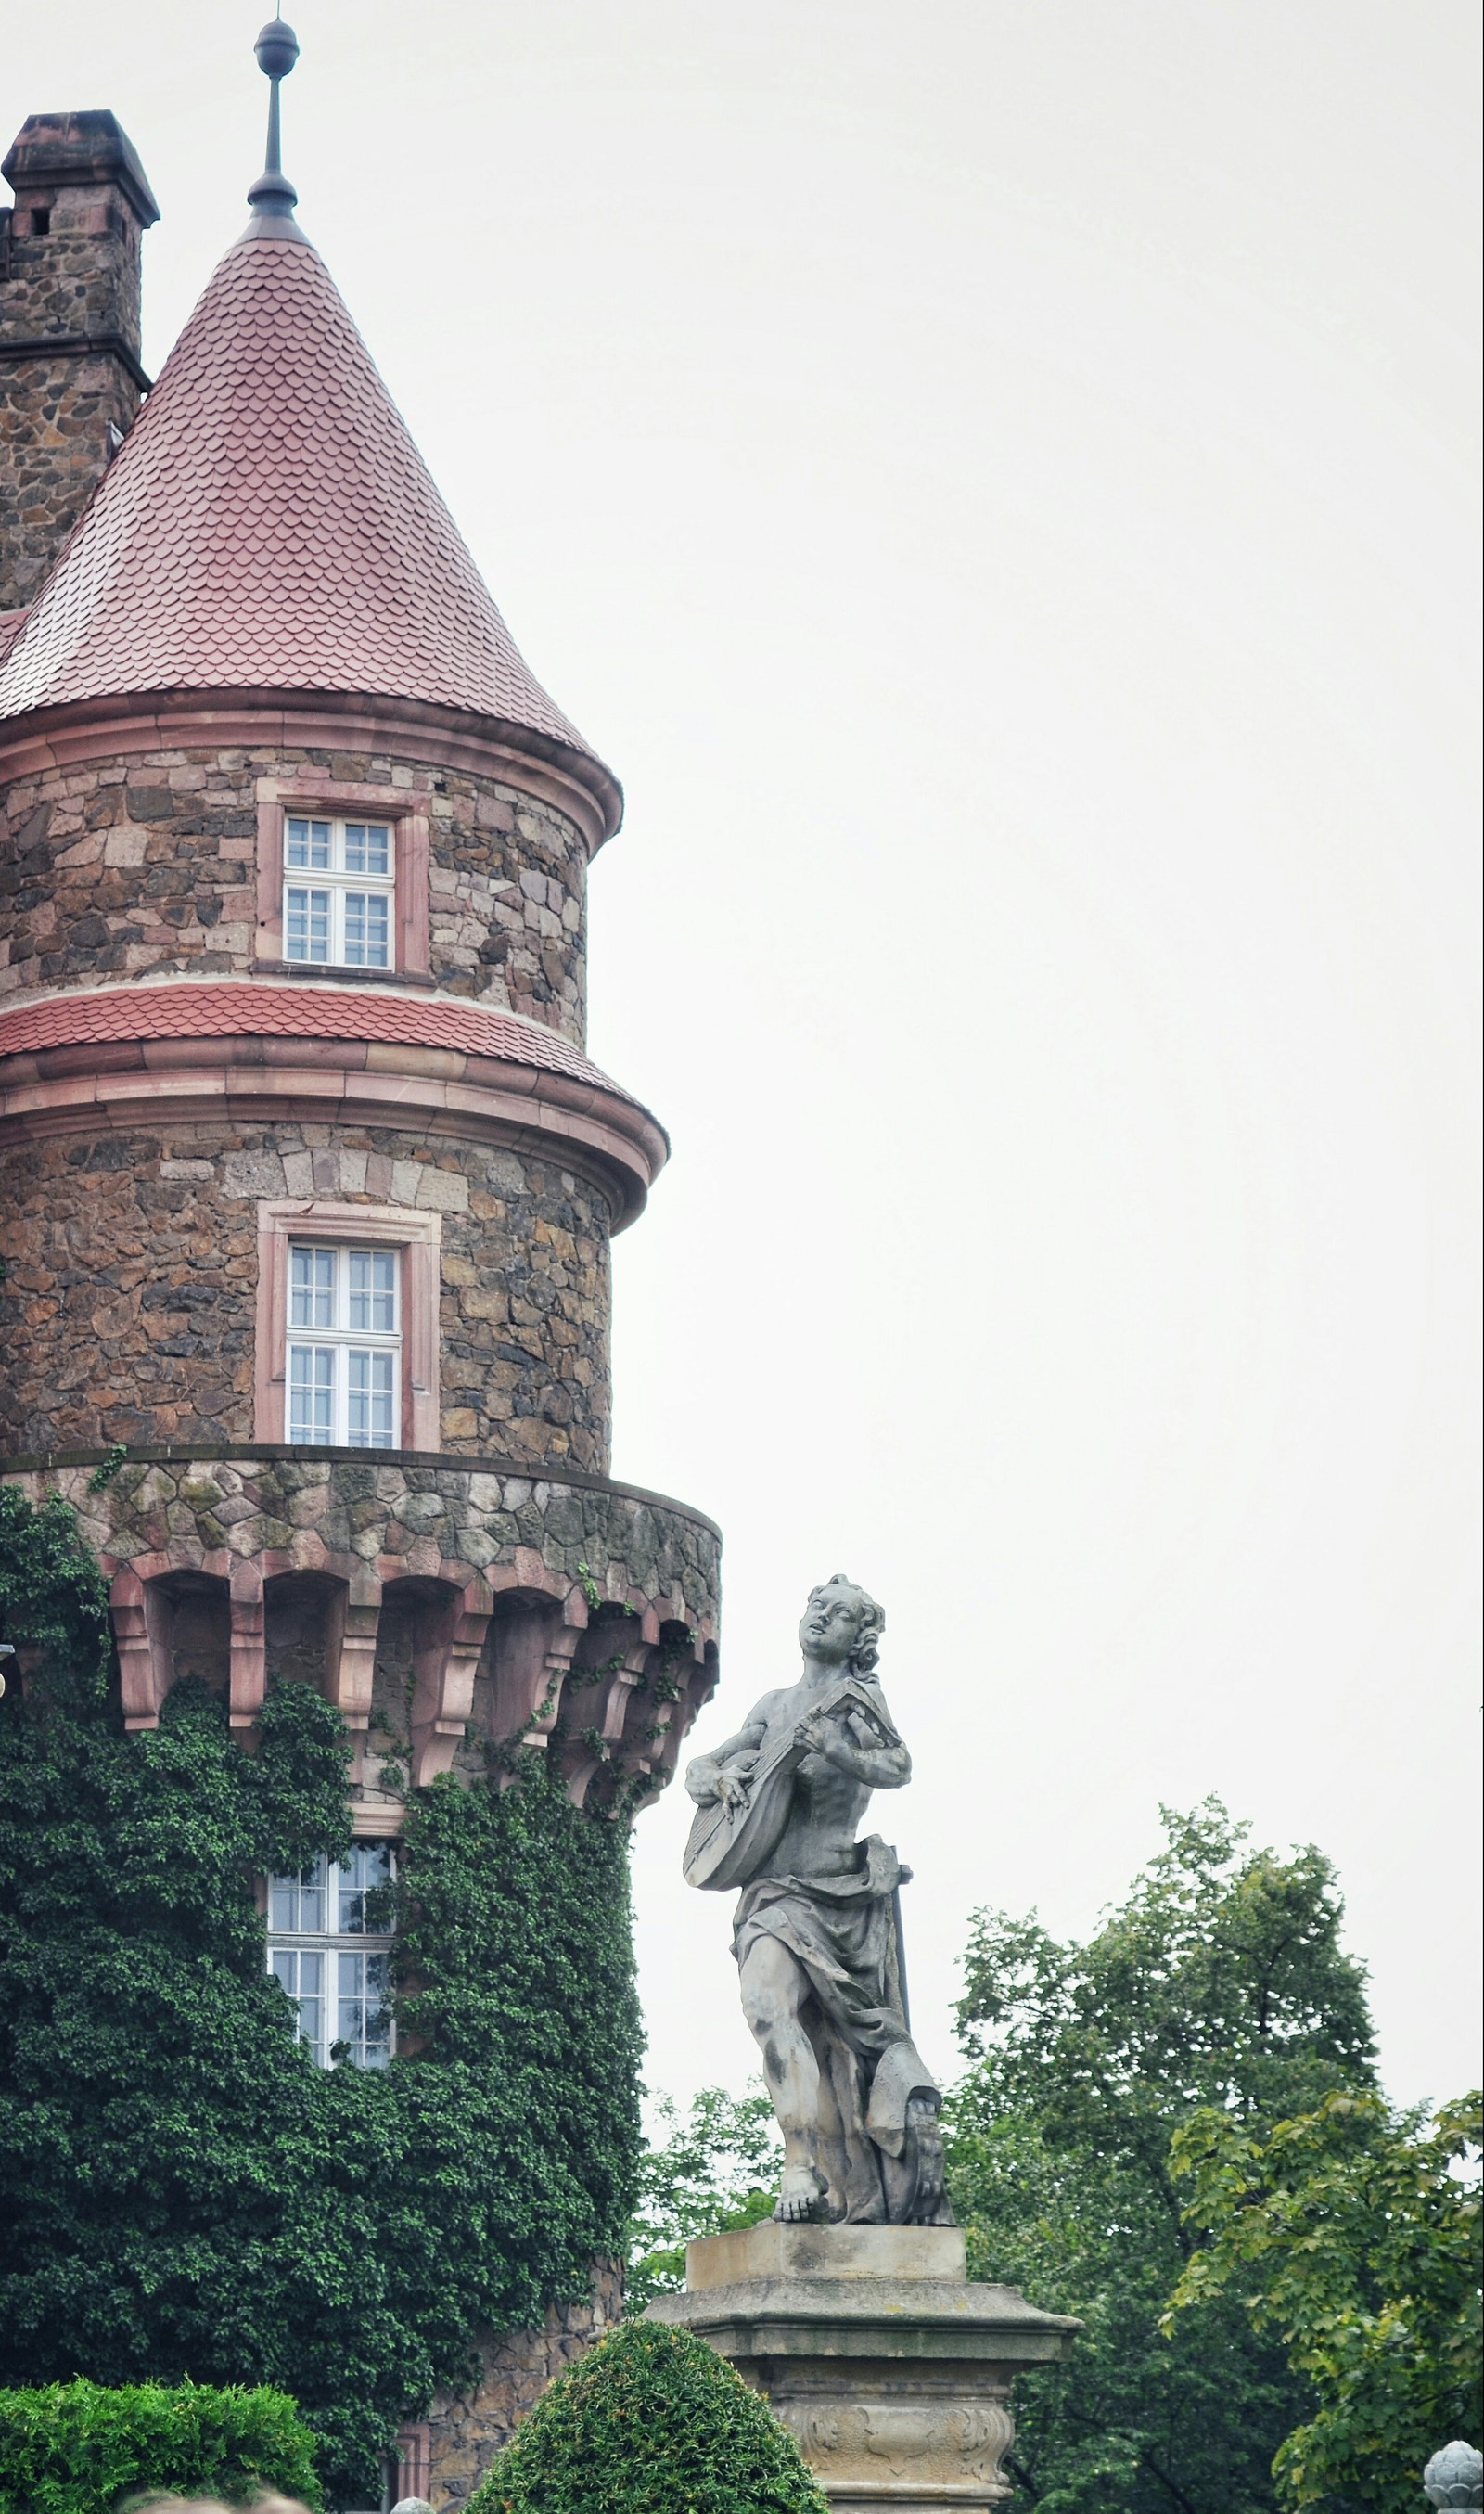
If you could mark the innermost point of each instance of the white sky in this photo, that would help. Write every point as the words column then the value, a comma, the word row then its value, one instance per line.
column 997, row 482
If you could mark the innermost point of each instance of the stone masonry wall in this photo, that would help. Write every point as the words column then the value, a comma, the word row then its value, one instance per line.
column 469, row 2429
column 82, row 276
column 115, row 869
column 589, row 1633
column 127, row 1308
column 299, row 1501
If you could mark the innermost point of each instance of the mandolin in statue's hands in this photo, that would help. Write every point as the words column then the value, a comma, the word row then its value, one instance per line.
column 735, row 1834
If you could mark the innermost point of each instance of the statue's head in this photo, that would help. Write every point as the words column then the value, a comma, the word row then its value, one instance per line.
column 842, row 1625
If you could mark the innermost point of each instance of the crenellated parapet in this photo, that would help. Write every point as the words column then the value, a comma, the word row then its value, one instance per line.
column 455, row 1611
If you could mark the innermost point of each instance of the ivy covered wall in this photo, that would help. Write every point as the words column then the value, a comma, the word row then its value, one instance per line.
column 187, row 2193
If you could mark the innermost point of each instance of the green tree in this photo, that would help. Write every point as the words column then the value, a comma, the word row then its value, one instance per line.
column 1352, row 2234
column 650, row 2422
column 717, row 2169
column 1219, row 1981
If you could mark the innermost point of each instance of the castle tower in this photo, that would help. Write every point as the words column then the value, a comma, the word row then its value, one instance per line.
column 304, row 1160
column 306, row 1179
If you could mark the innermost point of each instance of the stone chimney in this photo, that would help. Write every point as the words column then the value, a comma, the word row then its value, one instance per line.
column 71, row 378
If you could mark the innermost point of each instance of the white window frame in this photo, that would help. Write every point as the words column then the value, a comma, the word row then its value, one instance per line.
column 328, row 1347
column 338, row 1951
column 337, row 894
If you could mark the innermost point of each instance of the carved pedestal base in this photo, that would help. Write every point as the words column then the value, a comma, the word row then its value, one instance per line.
column 893, row 2372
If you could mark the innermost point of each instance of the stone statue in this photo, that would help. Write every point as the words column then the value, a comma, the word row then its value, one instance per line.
column 818, row 1929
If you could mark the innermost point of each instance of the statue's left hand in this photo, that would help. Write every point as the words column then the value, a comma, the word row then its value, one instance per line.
column 733, row 1784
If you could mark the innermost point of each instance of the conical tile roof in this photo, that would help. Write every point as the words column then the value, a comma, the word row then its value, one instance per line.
column 270, row 525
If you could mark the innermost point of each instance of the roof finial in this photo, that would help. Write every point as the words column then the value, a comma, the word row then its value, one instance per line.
column 273, row 196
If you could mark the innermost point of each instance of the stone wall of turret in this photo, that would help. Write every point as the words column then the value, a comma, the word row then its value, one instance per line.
column 149, row 865
column 129, row 1307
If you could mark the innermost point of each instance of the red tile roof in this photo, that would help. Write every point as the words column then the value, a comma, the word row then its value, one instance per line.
column 207, row 1008
column 270, row 524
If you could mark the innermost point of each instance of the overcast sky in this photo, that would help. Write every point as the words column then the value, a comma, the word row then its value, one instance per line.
column 997, row 482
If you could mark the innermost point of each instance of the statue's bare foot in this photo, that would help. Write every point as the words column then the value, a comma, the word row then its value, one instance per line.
column 799, row 2194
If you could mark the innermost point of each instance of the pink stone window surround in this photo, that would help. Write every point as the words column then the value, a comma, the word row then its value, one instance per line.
column 314, row 796
column 417, row 1237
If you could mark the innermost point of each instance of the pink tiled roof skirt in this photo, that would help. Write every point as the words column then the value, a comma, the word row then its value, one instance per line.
column 270, row 524
column 203, row 1008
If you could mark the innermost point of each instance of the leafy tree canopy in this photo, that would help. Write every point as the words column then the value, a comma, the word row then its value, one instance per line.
column 716, row 2170
column 1351, row 2233
column 1219, row 1981
column 650, row 2422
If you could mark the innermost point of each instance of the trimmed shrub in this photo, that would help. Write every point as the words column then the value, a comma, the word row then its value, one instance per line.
column 76, row 2447
column 650, row 2422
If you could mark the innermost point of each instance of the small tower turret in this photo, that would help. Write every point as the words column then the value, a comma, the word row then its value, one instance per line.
column 71, row 378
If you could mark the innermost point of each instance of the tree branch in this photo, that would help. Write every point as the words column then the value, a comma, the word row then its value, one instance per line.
column 1172, row 2487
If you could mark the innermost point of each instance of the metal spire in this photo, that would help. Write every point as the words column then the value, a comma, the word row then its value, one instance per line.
column 273, row 196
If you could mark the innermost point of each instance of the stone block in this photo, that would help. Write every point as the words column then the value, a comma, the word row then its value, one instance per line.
column 514, row 2368
column 773, row 2252
column 891, row 2371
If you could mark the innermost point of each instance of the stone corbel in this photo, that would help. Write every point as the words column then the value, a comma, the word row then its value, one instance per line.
column 561, row 1639
column 596, row 1738
column 350, row 1648
column 141, row 1616
column 579, row 1762
column 676, row 1719
column 620, row 1692
column 535, row 1642
column 446, row 1656
column 248, row 1655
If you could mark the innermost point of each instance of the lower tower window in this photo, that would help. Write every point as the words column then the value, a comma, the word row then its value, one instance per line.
column 345, row 1348
column 332, row 1960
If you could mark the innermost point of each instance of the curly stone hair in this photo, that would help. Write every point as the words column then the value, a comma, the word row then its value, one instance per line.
column 864, row 1657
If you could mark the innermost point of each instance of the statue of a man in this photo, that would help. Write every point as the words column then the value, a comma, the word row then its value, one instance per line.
column 816, row 1936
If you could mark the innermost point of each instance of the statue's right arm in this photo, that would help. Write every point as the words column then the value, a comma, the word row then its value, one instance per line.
column 706, row 1776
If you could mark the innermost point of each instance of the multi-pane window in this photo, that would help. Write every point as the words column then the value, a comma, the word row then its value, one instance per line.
column 333, row 1967
column 339, row 886
column 344, row 1365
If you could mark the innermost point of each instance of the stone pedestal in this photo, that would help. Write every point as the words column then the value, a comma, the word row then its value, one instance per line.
column 889, row 2369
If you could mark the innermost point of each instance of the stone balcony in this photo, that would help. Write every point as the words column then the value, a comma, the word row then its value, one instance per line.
column 457, row 1611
